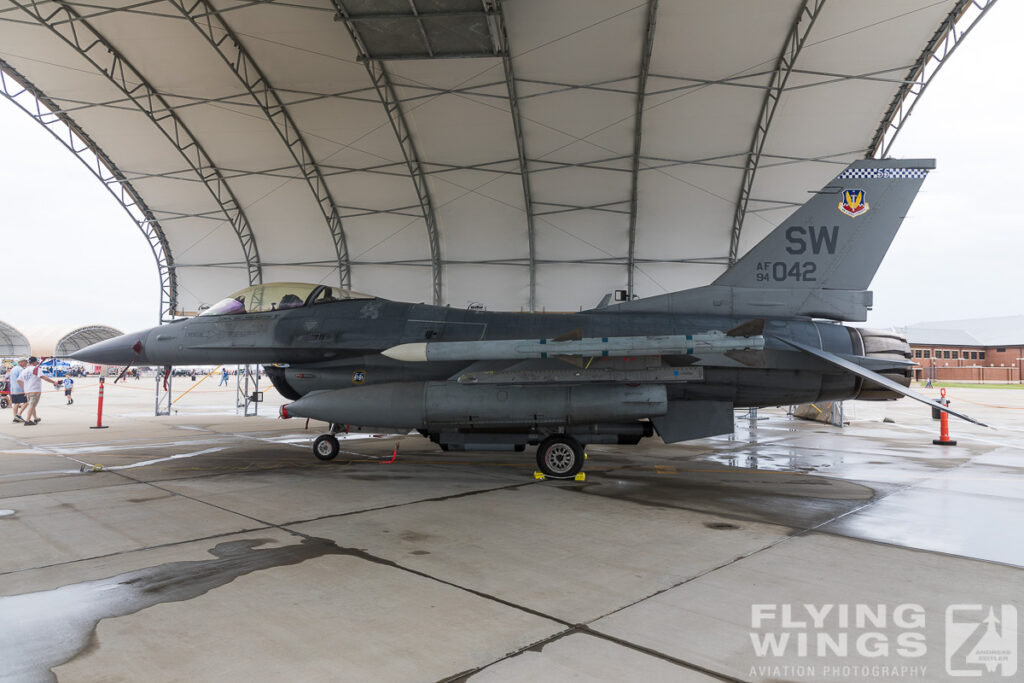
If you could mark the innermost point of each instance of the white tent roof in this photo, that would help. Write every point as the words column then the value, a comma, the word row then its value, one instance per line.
column 524, row 154
column 81, row 337
column 13, row 343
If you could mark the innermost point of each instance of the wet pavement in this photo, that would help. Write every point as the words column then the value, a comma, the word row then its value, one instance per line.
column 202, row 546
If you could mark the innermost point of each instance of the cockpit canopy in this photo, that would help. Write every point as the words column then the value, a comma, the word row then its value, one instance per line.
column 276, row 296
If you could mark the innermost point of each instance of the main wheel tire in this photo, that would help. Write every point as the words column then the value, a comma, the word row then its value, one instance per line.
column 325, row 447
column 560, row 457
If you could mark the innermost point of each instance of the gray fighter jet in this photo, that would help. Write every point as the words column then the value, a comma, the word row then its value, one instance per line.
column 767, row 332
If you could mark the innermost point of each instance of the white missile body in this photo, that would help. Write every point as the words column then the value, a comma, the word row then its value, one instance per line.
column 595, row 347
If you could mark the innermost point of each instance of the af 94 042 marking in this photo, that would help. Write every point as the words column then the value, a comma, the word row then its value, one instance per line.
column 783, row 271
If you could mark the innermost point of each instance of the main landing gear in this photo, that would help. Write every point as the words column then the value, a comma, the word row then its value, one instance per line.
column 560, row 457
column 325, row 447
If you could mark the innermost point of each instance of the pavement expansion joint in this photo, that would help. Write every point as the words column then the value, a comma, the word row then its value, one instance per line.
column 436, row 499
column 140, row 549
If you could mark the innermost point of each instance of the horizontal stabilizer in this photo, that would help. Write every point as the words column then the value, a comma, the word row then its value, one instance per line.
column 889, row 384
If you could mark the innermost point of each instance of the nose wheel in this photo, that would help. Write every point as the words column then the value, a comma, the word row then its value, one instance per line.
column 560, row 457
column 325, row 447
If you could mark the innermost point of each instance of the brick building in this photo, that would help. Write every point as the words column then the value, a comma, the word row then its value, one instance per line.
column 978, row 350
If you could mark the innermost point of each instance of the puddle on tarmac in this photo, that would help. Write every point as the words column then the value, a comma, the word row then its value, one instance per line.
column 45, row 629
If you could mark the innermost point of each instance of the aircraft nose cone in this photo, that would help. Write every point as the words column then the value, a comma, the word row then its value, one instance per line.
column 117, row 351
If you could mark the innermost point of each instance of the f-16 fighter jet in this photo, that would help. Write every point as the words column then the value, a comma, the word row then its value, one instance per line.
column 767, row 332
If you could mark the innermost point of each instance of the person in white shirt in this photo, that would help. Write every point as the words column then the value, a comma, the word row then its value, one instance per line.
column 18, row 401
column 31, row 381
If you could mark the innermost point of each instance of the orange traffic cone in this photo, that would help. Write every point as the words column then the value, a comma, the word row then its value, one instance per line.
column 944, row 439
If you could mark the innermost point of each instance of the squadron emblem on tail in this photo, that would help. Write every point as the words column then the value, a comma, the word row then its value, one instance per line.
column 855, row 203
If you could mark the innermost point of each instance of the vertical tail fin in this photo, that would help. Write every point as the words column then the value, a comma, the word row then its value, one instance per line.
column 820, row 261
column 837, row 239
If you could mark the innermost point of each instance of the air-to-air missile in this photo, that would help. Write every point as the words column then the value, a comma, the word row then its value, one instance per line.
column 767, row 332
column 594, row 347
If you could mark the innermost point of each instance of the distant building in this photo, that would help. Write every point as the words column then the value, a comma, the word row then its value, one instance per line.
column 49, row 341
column 975, row 350
column 13, row 343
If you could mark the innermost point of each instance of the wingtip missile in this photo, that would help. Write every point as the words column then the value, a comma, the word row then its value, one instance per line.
column 525, row 349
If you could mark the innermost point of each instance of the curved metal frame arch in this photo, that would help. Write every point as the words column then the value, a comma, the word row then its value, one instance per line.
column 107, row 173
column 392, row 105
column 802, row 24
column 14, row 345
column 946, row 40
column 497, row 15
column 638, row 132
column 92, row 333
column 207, row 21
column 123, row 75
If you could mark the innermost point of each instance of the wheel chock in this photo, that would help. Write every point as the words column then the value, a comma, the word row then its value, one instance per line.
column 91, row 468
column 580, row 476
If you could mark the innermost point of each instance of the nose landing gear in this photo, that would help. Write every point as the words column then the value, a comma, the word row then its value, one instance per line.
column 325, row 447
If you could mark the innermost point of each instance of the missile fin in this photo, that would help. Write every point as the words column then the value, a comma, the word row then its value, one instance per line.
column 751, row 328
column 571, row 335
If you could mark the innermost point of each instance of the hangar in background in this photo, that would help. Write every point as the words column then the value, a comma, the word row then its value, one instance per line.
column 516, row 154
column 13, row 344
column 50, row 340
column 84, row 336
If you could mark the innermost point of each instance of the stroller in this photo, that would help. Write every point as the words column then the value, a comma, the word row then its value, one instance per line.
column 5, row 393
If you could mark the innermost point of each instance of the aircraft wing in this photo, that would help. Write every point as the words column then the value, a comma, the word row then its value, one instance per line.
column 861, row 371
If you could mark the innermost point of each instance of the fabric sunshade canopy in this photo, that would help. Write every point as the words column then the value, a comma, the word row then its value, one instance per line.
column 516, row 154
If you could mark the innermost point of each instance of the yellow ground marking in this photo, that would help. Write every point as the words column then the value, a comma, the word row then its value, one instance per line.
column 196, row 384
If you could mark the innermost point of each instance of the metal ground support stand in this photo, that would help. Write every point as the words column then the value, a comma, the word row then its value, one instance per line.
column 163, row 391
column 247, row 390
column 838, row 416
column 751, row 415
column 830, row 412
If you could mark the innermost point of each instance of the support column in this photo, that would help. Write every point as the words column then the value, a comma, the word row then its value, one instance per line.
column 247, row 390
column 163, row 391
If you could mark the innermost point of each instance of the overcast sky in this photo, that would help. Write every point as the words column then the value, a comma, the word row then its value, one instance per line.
column 71, row 255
